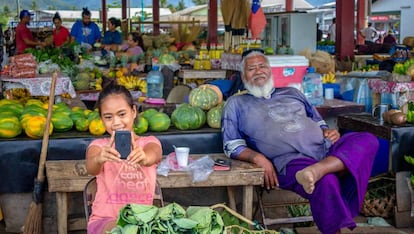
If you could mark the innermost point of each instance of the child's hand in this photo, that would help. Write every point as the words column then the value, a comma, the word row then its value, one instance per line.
column 108, row 153
column 137, row 155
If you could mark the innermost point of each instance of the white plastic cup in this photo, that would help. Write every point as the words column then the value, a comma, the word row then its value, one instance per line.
column 182, row 155
column 329, row 93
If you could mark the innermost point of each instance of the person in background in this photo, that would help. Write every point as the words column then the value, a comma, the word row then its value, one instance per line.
column 318, row 33
column 85, row 32
column 380, row 39
column 61, row 34
column 369, row 33
column 120, row 181
column 112, row 38
column 279, row 130
column 390, row 38
column 24, row 37
column 132, row 48
column 332, row 30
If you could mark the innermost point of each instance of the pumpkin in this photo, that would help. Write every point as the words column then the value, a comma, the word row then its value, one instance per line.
column 205, row 96
column 187, row 117
column 35, row 127
column 61, row 122
column 141, row 125
column 96, row 127
column 214, row 116
column 159, row 122
column 10, row 127
column 82, row 124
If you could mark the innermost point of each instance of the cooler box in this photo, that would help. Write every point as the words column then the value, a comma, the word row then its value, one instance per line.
column 288, row 70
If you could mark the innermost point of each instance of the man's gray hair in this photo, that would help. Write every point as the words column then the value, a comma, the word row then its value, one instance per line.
column 242, row 64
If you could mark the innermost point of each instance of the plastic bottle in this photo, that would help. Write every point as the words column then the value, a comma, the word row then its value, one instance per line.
column 312, row 87
column 155, row 83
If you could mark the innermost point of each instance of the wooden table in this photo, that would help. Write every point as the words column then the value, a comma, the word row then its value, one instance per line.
column 399, row 137
column 201, row 74
column 66, row 176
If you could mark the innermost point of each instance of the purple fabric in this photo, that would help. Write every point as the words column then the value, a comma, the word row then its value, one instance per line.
column 98, row 225
column 337, row 198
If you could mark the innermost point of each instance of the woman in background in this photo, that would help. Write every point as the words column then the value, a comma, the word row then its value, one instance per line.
column 60, row 33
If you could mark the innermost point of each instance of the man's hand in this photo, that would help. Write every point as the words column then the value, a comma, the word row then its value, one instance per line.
column 331, row 134
column 270, row 177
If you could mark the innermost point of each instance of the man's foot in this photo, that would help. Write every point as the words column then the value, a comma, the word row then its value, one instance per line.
column 307, row 178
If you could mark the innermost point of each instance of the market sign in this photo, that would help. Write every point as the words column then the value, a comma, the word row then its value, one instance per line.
column 377, row 18
column 33, row 24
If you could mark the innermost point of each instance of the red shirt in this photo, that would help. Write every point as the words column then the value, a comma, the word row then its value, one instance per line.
column 60, row 37
column 22, row 33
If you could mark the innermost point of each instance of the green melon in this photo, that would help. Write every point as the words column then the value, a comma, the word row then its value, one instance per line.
column 148, row 113
column 214, row 116
column 10, row 127
column 187, row 117
column 82, row 124
column 159, row 122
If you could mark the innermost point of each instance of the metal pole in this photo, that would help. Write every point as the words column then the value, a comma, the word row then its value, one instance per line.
column 18, row 8
column 142, row 16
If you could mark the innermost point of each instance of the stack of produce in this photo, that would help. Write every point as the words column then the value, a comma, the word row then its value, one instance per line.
column 23, row 66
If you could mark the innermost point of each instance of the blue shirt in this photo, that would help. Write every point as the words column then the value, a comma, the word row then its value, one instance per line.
column 114, row 37
column 85, row 33
column 284, row 127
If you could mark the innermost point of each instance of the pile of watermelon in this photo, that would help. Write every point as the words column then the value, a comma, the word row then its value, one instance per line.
column 205, row 106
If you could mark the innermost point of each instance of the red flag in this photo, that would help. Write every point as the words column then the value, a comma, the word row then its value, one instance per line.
column 257, row 21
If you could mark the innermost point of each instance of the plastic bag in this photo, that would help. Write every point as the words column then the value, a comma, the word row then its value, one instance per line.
column 199, row 169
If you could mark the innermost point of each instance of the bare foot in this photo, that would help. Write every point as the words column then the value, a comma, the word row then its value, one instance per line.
column 307, row 178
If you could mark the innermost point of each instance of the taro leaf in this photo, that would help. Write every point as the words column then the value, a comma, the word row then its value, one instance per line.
column 217, row 223
column 130, row 229
column 178, row 211
column 116, row 230
column 126, row 216
column 202, row 215
column 144, row 213
column 185, row 223
column 165, row 213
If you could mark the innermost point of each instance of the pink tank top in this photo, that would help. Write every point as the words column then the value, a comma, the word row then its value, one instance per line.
column 120, row 184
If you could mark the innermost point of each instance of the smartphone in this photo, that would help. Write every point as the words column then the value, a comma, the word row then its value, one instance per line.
column 222, row 162
column 123, row 143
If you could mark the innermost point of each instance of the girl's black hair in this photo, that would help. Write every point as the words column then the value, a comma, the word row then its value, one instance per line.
column 114, row 89
column 56, row 16
column 114, row 21
column 85, row 11
column 137, row 38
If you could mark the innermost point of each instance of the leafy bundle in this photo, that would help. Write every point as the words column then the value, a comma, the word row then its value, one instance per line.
column 146, row 219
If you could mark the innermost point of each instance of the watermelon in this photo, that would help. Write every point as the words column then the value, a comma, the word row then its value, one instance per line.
column 159, row 122
column 10, row 127
column 187, row 117
column 61, row 122
column 82, row 124
column 214, row 116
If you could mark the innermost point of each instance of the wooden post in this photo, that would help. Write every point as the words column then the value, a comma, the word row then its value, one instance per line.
column 156, row 17
column 345, row 29
column 361, row 17
column 212, row 21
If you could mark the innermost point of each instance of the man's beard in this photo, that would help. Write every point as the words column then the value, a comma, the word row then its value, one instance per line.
column 260, row 91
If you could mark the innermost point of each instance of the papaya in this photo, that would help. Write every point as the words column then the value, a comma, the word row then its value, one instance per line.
column 10, row 127
column 61, row 122
column 82, row 124
column 96, row 127
column 35, row 127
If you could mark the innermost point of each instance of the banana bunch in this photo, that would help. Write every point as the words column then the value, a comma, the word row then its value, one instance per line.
column 329, row 78
column 132, row 82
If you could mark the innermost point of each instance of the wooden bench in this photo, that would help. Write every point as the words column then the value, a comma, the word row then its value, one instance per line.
column 67, row 176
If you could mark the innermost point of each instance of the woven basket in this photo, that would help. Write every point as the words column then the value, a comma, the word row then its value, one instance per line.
column 380, row 198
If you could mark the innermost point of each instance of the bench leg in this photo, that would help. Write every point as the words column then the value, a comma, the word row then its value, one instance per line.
column 232, row 199
column 248, row 201
column 62, row 212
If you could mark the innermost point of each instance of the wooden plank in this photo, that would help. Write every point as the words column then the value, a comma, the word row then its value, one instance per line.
column 403, row 193
column 403, row 219
column 71, row 176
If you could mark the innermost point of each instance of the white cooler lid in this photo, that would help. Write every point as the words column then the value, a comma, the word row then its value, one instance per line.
column 288, row 60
